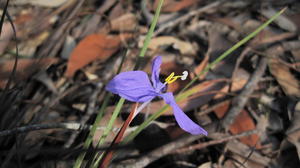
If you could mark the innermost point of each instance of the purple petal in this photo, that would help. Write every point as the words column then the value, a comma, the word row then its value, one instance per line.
column 155, row 74
column 182, row 119
column 133, row 86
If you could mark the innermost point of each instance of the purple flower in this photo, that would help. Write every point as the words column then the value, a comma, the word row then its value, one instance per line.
column 135, row 86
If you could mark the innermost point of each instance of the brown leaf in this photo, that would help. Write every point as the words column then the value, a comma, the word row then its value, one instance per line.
column 24, row 69
column 284, row 77
column 293, row 133
column 184, row 47
column 295, row 19
column 93, row 47
column 126, row 22
column 175, row 5
column 200, row 68
column 242, row 123
column 6, row 36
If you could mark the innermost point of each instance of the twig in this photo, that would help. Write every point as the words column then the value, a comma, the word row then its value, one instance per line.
column 60, row 152
column 51, row 48
column 239, row 102
column 35, row 127
column 159, row 152
column 214, row 142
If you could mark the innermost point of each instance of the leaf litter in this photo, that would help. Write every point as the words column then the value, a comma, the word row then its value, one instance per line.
column 69, row 50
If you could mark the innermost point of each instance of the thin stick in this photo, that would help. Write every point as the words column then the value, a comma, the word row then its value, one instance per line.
column 214, row 142
column 36, row 127
column 159, row 152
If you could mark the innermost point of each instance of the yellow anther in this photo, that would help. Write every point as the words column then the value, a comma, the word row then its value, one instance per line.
column 171, row 78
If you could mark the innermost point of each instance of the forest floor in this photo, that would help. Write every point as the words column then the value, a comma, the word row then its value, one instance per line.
column 67, row 51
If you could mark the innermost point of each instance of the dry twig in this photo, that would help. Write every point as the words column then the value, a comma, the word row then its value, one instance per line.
column 35, row 127
column 214, row 142
column 240, row 101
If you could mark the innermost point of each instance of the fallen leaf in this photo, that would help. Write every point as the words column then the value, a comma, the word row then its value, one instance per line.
column 126, row 22
column 242, row 123
column 282, row 21
column 249, row 163
column 25, row 68
column 284, row 77
column 91, row 48
column 174, row 5
column 28, row 48
column 295, row 19
column 185, row 48
column 296, row 55
column 293, row 133
column 200, row 68
column 44, row 3
column 205, row 165
column 6, row 36
column 245, row 151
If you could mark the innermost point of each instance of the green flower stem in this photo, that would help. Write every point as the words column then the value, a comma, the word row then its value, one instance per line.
column 89, row 139
column 142, row 54
column 109, row 128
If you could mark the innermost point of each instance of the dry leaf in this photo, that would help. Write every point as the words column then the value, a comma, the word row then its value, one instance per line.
column 93, row 47
column 44, row 3
column 205, row 165
column 293, row 133
column 126, row 22
column 6, row 36
column 284, row 77
column 200, row 68
column 242, row 123
column 282, row 21
column 185, row 48
column 24, row 69
column 295, row 19
column 245, row 151
column 29, row 47
column 175, row 5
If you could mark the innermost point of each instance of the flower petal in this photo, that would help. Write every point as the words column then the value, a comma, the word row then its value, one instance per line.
column 182, row 119
column 155, row 74
column 133, row 86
